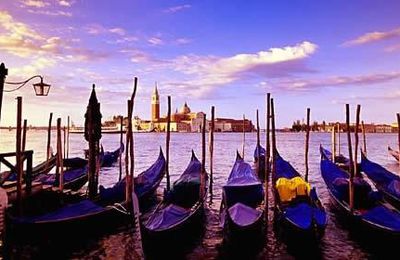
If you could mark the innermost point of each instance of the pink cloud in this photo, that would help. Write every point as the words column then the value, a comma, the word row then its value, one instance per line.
column 177, row 8
column 373, row 37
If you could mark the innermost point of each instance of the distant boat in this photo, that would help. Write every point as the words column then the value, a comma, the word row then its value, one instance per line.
column 104, row 130
column 259, row 161
column 393, row 153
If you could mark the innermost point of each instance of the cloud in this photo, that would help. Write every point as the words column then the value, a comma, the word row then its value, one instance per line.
column 118, row 31
column 34, row 3
column 373, row 37
column 155, row 41
column 310, row 84
column 204, row 74
column 65, row 3
column 33, row 68
column 50, row 13
column 393, row 48
column 177, row 8
column 181, row 41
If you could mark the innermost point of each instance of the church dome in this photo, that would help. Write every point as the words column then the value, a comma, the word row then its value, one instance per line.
column 185, row 109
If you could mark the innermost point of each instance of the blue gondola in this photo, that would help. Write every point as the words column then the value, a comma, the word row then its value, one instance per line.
column 259, row 161
column 368, row 209
column 109, row 205
column 109, row 158
column 393, row 153
column 241, row 212
column 304, row 212
column 182, row 205
column 385, row 181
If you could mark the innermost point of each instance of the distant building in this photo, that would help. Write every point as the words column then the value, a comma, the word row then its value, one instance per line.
column 233, row 125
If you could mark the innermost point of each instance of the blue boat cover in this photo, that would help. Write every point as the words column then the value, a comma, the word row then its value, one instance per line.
column 169, row 216
column 69, row 176
column 338, row 158
column 262, row 151
column 303, row 215
column 144, row 182
column 243, row 215
column 283, row 168
column 84, row 207
column 183, row 195
column 384, row 217
column 377, row 173
column 243, row 185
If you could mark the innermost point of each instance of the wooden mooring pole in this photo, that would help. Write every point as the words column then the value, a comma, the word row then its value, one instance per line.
column 59, row 169
column 211, row 148
column 120, row 144
column 364, row 137
column 259, row 173
column 203, row 158
column 351, row 172
column 19, row 160
column 356, row 140
column 68, row 128
column 167, row 143
column 307, row 144
column 244, row 136
column 267, row 155
column 24, row 136
column 49, row 137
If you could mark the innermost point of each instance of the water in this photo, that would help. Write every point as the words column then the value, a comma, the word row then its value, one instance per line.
column 337, row 243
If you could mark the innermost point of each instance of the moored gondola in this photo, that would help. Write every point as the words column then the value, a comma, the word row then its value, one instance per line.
column 385, row 181
column 369, row 211
column 259, row 161
column 181, row 207
column 297, row 205
column 241, row 212
column 86, row 213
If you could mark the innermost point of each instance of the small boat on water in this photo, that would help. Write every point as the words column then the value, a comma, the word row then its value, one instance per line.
column 259, row 161
column 369, row 210
column 241, row 212
column 146, row 183
column 181, row 207
column 393, row 153
column 109, row 158
column 85, row 213
column 297, row 205
column 385, row 181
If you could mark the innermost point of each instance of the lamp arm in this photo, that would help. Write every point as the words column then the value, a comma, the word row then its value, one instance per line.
column 22, row 83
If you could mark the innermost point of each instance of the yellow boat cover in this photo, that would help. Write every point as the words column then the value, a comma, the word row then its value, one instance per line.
column 289, row 189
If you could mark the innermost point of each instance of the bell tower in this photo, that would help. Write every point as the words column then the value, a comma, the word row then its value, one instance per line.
column 155, row 105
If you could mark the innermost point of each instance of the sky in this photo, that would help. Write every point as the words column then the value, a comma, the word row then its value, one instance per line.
column 226, row 53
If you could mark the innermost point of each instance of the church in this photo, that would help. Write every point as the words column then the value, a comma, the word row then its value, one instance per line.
column 183, row 120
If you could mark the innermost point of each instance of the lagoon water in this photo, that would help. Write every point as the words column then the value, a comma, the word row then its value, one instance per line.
column 339, row 242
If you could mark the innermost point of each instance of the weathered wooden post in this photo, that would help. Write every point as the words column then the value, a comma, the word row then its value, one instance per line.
column 3, row 74
column 267, row 155
column 211, row 147
column 364, row 137
column 120, row 143
column 333, row 143
column 59, row 167
column 244, row 136
column 167, row 143
column 273, row 139
column 49, row 137
column 19, row 160
column 68, row 127
column 65, row 141
column 351, row 186
column 356, row 140
column 203, row 158
column 24, row 136
column 307, row 143
column 338, row 131
column 93, row 136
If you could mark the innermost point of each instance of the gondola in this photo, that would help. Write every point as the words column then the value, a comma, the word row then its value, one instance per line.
column 41, row 168
column 241, row 212
column 109, row 158
column 369, row 210
column 146, row 183
column 76, row 173
column 385, row 181
column 297, row 205
column 393, row 153
column 259, row 161
column 181, row 207
column 86, row 213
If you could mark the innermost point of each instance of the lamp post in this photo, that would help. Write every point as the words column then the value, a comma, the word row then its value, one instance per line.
column 41, row 88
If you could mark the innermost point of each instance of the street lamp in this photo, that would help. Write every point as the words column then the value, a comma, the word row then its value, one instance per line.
column 41, row 88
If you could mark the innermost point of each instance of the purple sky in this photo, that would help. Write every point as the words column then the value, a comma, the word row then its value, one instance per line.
column 318, row 54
